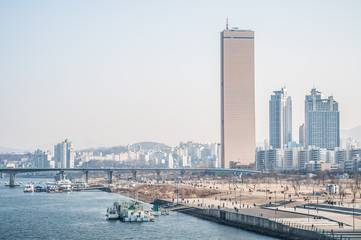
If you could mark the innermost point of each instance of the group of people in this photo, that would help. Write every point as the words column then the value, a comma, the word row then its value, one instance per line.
column 330, row 202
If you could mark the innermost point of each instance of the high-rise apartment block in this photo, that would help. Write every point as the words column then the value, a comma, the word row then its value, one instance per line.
column 302, row 135
column 64, row 154
column 322, row 121
column 280, row 119
column 43, row 159
column 237, row 98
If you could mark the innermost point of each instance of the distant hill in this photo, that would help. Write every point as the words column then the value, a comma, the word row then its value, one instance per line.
column 354, row 133
column 149, row 145
column 136, row 146
column 108, row 150
column 9, row 150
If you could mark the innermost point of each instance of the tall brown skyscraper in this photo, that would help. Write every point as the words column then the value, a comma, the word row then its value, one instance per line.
column 237, row 98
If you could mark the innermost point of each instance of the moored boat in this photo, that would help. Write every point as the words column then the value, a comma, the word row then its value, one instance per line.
column 64, row 185
column 29, row 188
column 112, row 213
column 134, row 212
column 39, row 189
column 51, row 187
column 129, row 212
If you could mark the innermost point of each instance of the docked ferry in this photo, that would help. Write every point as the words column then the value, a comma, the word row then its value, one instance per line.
column 112, row 213
column 130, row 212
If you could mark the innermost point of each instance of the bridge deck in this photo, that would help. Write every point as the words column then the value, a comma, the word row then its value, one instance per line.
column 129, row 170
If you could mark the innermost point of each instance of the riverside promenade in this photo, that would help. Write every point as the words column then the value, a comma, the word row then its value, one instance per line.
column 300, row 215
column 333, row 215
column 255, row 220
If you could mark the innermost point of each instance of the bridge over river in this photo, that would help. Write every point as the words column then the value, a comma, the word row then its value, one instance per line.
column 13, row 171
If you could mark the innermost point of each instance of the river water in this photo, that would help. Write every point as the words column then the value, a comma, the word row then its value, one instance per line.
column 81, row 215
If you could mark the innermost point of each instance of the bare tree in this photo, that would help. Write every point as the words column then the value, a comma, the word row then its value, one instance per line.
column 322, row 176
column 255, row 182
column 341, row 191
column 354, row 190
column 297, row 181
column 334, row 180
column 295, row 189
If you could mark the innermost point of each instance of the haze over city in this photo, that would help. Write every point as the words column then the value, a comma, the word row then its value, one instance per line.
column 115, row 73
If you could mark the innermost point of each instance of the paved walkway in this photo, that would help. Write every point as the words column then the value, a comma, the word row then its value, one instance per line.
column 335, row 217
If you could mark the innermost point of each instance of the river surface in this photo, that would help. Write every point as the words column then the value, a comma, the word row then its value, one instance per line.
column 81, row 215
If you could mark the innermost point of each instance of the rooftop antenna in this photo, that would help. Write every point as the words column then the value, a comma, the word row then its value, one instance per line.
column 227, row 24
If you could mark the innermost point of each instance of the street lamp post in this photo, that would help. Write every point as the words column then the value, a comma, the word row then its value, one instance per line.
column 266, row 195
column 177, row 190
column 308, row 210
column 313, row 189
column 353, row 217
column 275, row 203
column 240, row 198
column 284, row 196
column 235, row 196
column 220, row 201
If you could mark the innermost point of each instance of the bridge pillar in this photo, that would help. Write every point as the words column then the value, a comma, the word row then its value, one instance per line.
column 12, row 179
column 206, row 173
column 110, row 177
column 134, row 175
column 61, row 175
column 2, row 175
column 86, row 176
column 158, row 176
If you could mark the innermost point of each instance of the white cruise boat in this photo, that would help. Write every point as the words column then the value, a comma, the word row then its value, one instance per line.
column 112, row 213
column 29, row 188
column 51, row 187
column 64, row 185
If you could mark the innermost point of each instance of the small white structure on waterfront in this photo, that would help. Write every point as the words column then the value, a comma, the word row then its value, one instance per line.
column 333, row 188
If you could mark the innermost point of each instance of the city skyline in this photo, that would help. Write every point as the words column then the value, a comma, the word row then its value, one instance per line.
column 83, row 77
column 206, row 119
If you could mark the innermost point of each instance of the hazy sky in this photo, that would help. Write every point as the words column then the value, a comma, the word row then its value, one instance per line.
column 118, row 72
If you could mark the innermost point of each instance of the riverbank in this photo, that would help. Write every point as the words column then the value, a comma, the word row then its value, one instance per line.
column 149, row 192
column 251, row 223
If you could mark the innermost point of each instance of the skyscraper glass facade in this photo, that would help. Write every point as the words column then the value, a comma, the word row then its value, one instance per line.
column 237, row 98
column 280, row 119
column 322, row 121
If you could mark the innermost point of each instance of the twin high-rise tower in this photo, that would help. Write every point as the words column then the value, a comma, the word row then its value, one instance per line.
column 280, row 119
column 322, row 121
column 237, row 98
